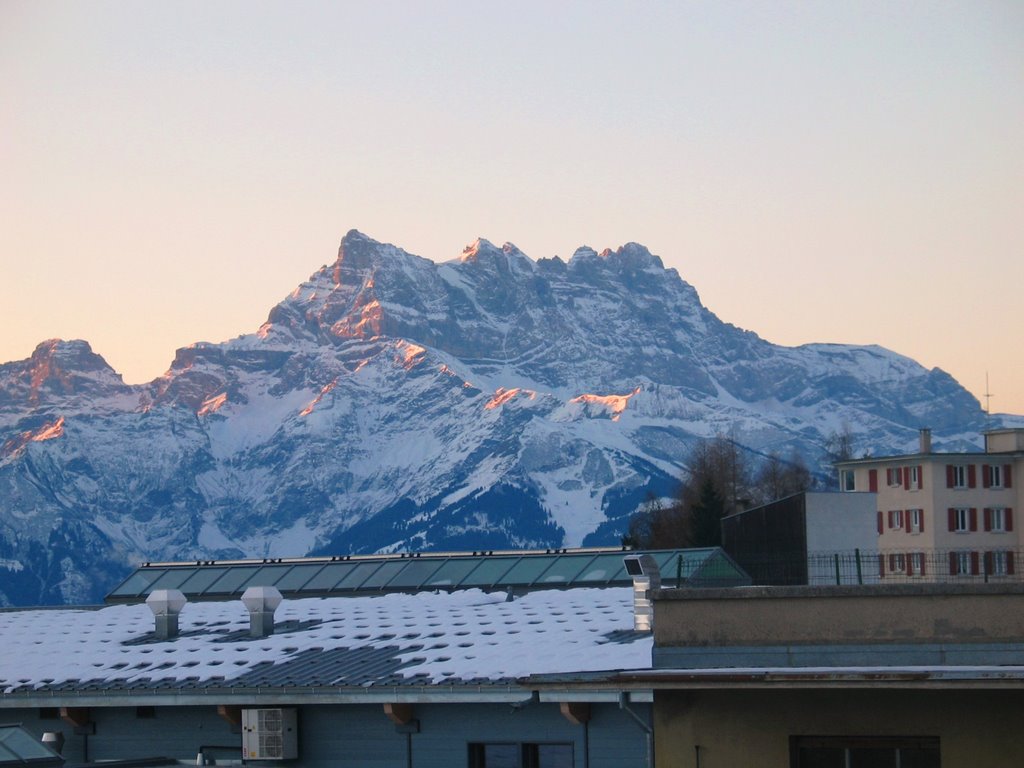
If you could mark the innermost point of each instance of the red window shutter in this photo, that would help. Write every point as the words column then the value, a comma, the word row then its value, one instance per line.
column 986, row 476
column 873, row 480
column 1008, row 519
column 987, row 517
column 888, row 475
column 949, row 475
column 881, row 527
column 972, row 480
column 908, row 558
column 988, row 562
column 952, row 519
column 920, row 517
column 972, row 523
column 920, row 477
column 974, row 564
column 1007, row 476
column 891, row 516
column 1009, row 562
column 952, row 563
column 924, row 559
column 881, row 565
column 906, row 478
column 906, row 520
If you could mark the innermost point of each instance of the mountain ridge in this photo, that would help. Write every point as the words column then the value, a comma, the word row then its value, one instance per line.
column 390, row 402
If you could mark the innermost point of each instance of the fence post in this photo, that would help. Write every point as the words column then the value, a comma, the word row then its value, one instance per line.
column 860, row 576
column 679, row 571
column 835, row 558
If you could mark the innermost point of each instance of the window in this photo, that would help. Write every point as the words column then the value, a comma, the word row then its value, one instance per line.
column 959, row 475
column 993, row 476
column 999, row 563
column 998, row 560
column 897, row 563
column 917, row 564
column 894, row 476
column 961, row 520
column 857, row 751
column 895, row 519
column 846, row 480
column 511, row 755
column 995, row 520
column 916, row 521
column 915, row 477
column 962, row 563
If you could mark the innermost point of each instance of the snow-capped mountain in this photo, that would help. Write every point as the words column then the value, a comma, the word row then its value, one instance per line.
column 391, row 403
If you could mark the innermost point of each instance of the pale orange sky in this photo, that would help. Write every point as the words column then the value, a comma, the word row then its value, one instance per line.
column 818, row 171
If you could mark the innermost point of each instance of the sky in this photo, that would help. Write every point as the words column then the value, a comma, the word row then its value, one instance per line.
column 818, row 171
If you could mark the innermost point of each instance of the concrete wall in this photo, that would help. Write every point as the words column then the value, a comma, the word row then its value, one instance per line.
column 357, row 735
column 980, row 729
column 902, row 613
column 841, row 522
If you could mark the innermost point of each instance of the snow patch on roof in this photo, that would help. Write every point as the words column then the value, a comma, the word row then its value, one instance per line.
column 462, row 636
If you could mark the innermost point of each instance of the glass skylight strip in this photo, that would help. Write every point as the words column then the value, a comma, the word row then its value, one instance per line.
column 417, row 573
column 135, row 584
column 489, row 571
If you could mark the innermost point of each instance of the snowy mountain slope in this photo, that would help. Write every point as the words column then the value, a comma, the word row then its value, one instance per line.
column 391, row 403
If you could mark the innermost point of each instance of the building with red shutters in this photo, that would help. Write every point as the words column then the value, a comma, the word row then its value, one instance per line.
column 960, row 507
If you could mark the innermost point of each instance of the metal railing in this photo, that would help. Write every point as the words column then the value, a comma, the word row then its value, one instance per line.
column 885, row 567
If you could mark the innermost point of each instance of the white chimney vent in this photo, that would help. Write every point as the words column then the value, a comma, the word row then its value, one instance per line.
column 646, row 575
column 166, row 604
column 261, row 602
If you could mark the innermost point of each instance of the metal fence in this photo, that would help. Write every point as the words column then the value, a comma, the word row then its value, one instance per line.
column 884, row 567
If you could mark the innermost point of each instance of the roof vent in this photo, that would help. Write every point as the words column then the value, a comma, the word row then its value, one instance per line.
column 261, row 603
column 166, row 604
column 646, row 575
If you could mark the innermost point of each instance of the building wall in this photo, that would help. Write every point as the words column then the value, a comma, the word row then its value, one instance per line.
column 901, row 613
column 981, row 729
column 934, row 499
column 357, row 735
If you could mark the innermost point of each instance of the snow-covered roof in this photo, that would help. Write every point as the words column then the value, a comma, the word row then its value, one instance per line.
column 426, row 642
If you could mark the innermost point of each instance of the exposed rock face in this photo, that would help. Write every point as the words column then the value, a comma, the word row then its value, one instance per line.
column 391, row 403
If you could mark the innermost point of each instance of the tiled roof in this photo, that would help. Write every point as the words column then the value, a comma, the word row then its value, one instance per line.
column 410, row 641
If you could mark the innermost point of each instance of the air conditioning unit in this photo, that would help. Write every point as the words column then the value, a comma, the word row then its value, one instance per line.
column 270, row 734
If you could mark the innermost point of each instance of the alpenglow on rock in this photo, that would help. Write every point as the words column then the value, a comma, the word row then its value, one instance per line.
column 390, row 403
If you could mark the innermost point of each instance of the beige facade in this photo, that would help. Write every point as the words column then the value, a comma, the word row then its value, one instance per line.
column 962, row 505
column 788, row 677
column 729, row 728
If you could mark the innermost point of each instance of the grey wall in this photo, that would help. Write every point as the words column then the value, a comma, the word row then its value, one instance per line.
column 357, row 735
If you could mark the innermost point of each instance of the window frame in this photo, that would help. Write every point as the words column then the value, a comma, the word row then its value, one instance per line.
column 999, row 563
column 963, row 563
column 959, row 476
column 527, row 752
column 916, row 561
column 997, row 514
column 961, row 515
column 916, row 516
column 897, row 744
column 847, row 480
